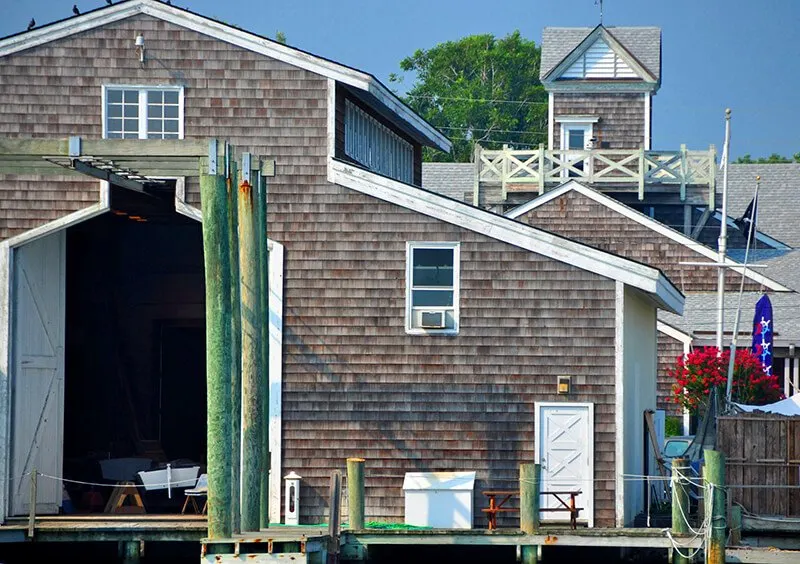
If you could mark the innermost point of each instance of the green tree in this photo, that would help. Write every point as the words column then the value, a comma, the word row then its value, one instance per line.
column 280, row 37
column 774, row 158
column 479, row 89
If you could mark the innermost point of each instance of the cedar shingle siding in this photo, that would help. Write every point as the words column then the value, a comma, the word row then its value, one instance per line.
column 669, row 350
column 621, row 124
column 575, row 216
column 354, row 382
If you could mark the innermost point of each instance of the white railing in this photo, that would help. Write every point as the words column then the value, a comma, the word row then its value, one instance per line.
column 533, row 169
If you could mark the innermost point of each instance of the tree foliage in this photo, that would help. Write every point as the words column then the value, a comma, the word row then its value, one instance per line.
column 479, row 89
column 772, row 159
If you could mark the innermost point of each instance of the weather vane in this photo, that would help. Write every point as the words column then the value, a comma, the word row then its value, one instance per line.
column 600, row 3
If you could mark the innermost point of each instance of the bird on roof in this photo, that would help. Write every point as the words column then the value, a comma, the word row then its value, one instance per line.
column 31, row 24
column 109, row 2
column 169, row 3
column 75, row 10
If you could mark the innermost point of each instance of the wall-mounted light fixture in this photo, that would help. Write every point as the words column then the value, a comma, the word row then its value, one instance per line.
column 139, row 46
column 563, row 385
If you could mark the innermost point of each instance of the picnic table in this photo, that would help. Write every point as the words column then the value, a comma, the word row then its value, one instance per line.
column 496, row 507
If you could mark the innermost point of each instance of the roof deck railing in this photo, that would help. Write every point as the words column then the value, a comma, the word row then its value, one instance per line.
column 532, row 170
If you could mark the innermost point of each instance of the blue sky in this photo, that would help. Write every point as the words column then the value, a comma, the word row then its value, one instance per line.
column 716, row 53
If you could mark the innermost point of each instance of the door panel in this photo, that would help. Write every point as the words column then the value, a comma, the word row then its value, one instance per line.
column 37, row 377
column 566, row 454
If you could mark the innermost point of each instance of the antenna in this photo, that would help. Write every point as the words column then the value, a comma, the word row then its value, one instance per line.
column 600, row 3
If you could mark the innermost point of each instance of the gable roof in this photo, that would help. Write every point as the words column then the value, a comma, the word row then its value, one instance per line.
column 645, row 278
column 643, row 44
column 648, row 222
column 453, row 180
column 778, row 203
column 424, row 132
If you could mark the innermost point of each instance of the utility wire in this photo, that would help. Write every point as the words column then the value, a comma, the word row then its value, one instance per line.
column 481, row 100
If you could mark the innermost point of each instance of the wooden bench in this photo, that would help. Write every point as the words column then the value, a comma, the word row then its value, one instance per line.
column 505, row 495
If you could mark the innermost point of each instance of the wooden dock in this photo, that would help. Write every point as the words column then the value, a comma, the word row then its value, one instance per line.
column 105, row 527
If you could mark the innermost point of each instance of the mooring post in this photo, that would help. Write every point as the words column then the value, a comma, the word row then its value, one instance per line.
column 130, row 552
column 252, row 388
column 218, row 349
column 680, row 504
column 529, row 491
column 355, row 492
column 736, row 525
column 231, row 183
column 263, row 299
column 32, row 508
column 714, row 482
column 334, row 523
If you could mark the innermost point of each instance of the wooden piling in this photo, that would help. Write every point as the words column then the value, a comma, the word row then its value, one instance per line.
column 129, row 552
column 680, row 503
column 355, row 492
column 32, row 508
column 218, row 350
column 736, row 525
column 714, row 481
column 252, row 385
column 236, row 349
column 334, row 522
column 263, row 297
column 530, row 476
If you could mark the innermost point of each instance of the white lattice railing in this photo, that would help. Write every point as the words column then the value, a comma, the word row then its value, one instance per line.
column 517, row 170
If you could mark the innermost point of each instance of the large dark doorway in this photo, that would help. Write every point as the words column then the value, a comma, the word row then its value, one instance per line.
column 135, row 348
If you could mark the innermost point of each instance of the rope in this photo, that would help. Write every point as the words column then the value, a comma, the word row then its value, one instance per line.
column 175, row 484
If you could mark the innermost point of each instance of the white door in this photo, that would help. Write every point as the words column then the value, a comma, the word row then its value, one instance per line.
column 37, row 377
column 565, row 450
column 575, row 137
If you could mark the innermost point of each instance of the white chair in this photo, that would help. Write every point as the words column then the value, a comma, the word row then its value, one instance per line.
column 199, row 490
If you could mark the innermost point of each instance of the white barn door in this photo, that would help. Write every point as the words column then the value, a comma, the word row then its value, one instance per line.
column 565, row 450
column 37, row 379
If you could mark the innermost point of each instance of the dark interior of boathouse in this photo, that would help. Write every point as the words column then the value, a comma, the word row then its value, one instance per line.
column 135, row 385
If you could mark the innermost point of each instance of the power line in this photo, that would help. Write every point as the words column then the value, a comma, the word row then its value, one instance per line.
column 481, row 100
column 493, row 130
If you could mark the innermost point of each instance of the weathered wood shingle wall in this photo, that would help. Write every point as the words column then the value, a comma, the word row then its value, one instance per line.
column 578, row 217
column 669, row 350
column 621, row 124
column 354, row 382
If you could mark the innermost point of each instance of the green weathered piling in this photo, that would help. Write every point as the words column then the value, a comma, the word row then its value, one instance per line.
column 263, row 295
column 714, row 481
column 680, row 503
column 218, row 350
column 236, row 350
column 736, row 525
column 252, row 385
column 529, row 488
column 129, row 552
column 355, row 492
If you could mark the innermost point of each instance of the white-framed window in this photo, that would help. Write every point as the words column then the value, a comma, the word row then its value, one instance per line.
column 142, row 112
column 369, row 142
column 432, row 287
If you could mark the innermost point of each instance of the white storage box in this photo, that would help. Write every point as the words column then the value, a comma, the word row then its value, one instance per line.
column 439, row 499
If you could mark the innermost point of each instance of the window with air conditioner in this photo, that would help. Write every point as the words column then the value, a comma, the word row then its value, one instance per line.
column 143, row 112
column 432, row 283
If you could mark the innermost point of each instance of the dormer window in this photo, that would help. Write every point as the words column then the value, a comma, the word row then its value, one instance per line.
column 134, row 112
column 599, row 61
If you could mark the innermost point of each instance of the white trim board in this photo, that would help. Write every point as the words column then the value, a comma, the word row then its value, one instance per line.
column 229, row 34
column 619, row 404
column 675, row 333
column 644, row 220
column 643, row 277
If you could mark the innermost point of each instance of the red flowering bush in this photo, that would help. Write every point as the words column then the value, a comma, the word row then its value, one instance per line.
column 702, row 370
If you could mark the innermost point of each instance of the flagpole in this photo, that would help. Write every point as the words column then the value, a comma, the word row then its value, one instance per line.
column 722, row 242
column 751, row 229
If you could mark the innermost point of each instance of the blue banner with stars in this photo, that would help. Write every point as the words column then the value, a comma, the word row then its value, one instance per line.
column 762, row 333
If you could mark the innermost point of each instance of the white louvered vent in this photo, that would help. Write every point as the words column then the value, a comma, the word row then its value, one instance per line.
column 599, row 61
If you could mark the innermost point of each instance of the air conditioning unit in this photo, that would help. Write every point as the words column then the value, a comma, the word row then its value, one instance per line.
column 432, row 319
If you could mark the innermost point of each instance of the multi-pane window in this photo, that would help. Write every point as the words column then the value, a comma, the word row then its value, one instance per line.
column 369, row 142
column 143, row 113
column 432, row 287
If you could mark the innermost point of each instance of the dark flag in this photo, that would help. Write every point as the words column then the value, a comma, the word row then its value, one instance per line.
column 748, row 218
column 762, row 333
